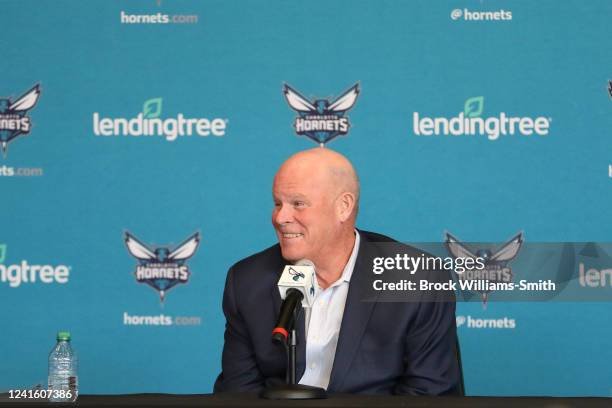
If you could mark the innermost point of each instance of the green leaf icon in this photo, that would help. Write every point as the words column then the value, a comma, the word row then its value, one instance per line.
column 2, row 253
column 152, row 108
column 473, row 107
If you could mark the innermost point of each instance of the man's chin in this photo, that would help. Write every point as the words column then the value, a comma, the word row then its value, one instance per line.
column 291, row 255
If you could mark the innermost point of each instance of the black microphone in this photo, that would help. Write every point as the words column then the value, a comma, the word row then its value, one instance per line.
column 285, row 320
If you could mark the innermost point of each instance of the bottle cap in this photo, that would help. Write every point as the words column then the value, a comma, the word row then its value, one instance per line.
column 63, row 336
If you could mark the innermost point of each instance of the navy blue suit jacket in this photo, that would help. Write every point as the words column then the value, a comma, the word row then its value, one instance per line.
column 383, row 347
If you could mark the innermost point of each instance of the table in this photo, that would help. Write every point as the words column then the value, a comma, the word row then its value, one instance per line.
column 338, row 400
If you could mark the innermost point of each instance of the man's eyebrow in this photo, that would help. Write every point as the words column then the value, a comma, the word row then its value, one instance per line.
column 292, row 197
column 298, row 197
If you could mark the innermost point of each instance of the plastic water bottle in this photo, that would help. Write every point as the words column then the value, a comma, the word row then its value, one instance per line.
column 63, row 380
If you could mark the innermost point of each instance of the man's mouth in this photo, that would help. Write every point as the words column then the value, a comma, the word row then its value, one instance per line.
column 288, row 235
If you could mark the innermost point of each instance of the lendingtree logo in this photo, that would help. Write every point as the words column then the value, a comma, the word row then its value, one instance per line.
column 152, row 108
column 471, row 122
column 24, row 272
column 149, row 122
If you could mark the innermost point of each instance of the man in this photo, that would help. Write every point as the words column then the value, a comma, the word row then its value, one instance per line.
column 346, row 344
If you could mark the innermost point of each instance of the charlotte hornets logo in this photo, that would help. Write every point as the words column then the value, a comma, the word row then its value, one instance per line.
column 297, row 275
column 159, row 267
column 496, row 268
column 322, row 119
column 13, row 119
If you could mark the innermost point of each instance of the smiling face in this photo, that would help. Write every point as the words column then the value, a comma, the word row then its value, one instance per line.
column 303, row 215
column 311, row 215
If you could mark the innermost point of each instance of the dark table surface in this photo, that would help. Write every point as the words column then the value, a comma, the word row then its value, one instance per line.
column 339, row 400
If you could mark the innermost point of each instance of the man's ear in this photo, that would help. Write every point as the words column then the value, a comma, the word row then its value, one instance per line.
column 345, row 205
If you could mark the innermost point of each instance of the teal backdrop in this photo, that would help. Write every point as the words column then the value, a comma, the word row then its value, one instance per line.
column 69, row 195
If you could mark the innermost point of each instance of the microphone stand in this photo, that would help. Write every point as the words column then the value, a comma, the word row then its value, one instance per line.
column 292, row 349
column 292, row 390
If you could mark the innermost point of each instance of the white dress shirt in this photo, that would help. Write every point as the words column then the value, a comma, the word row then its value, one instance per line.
column 323, row 322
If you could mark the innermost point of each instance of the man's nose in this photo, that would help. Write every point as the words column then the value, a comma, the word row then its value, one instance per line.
column 284, row 214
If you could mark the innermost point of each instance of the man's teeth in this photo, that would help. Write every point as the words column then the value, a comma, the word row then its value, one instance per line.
column 292, row 235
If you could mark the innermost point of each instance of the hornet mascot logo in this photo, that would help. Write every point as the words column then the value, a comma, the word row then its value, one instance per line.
column 159, row 267
column 297, row 276
column 496, row 264
column 321, row 120
column 13, row 119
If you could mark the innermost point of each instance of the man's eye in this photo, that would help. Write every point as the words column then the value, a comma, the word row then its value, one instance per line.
column 299, row 204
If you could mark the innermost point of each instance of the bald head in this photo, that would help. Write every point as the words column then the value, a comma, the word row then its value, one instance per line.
column 329, row 168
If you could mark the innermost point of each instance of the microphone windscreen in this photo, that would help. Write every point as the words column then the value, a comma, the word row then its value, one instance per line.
column 305, row 262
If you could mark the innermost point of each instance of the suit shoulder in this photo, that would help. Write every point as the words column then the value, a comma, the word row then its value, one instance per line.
column 386, row 244
column 261, row 262
column 375, row 237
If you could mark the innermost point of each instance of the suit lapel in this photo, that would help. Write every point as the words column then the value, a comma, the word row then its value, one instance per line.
column 356, row 316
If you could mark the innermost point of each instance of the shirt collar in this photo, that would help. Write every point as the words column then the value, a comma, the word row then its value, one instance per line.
column 350, row 265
